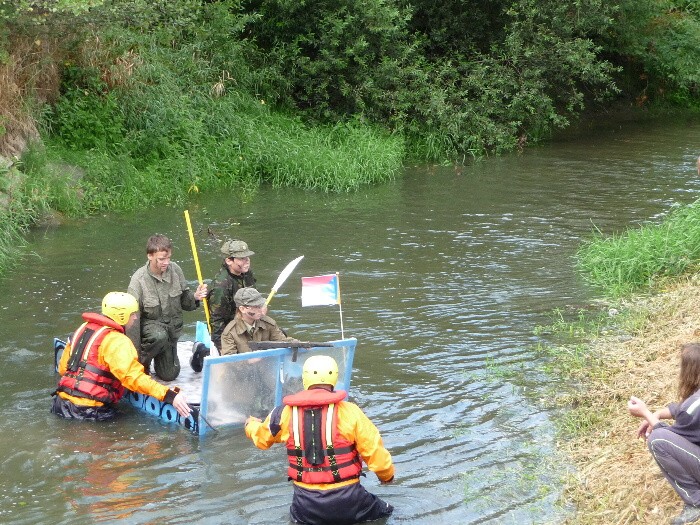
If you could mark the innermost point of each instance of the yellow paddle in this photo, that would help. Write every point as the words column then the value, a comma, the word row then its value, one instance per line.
column 196, row 264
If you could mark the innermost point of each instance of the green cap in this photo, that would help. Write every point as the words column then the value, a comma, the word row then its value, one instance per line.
column 236, row 248
column 248, row 297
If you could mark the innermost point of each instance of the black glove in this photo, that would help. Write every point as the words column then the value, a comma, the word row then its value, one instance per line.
column 199, row 352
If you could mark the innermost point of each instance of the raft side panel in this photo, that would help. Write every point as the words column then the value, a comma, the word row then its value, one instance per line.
column 234, row 387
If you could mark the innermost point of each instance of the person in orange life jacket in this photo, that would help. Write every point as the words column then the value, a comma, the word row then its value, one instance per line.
column 99, row 361
column 327, row 440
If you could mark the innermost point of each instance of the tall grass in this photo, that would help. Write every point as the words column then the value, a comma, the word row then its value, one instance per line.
column 11, row 242
column 163, row 122
column 266, row 148
column 22, row 203
column 645, row 256
column 180, row 107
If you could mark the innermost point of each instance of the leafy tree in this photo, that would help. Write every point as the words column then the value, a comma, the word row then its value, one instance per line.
column 457, row 76
column 457, row 26
column 658, row 41
column 340, row 57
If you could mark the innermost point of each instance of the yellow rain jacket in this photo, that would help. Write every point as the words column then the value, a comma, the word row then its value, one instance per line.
column 353, row 425
column 117, row 353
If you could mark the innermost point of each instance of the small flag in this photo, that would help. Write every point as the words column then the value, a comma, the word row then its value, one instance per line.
column 320, row 290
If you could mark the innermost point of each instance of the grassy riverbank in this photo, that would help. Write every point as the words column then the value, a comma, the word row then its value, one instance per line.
column 615, row 479
column 632, row 348
column 238, row 152
column 23, row 204
column 642, row 257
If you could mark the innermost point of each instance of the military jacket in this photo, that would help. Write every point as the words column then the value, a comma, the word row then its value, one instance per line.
column 222, row 307
column 235, row 337
column 162, row 299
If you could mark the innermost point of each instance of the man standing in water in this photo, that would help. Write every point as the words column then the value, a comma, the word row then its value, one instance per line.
column 235, row 273
column 327, row 440
column 101, row 360
column 162, row 293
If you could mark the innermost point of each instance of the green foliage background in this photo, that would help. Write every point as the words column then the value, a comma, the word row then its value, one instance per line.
column 149, row 100
column 452, row 78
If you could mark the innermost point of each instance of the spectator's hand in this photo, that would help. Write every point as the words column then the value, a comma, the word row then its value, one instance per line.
column 643, row 431
column 390, row 480
column 180, row 404
column 636, row 406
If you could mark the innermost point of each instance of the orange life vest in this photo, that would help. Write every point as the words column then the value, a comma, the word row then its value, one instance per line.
column 84, row 376
column 316, row 450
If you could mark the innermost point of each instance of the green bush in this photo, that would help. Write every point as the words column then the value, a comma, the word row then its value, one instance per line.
column 88, row 115
column 430, row 71
column 343, row 58
column 659, row 42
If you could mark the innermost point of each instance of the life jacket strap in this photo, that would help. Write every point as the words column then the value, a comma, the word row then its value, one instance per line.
column 297, row 443
column 330, row 452
column 100, row 371
column 107, row 386
column 77, row 393
column 335, row 451
column 323, row 469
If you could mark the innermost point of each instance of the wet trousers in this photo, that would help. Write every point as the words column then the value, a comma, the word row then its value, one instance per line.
column 679, row 460
column 64, row 408
column 159, row 344
column 343, row 506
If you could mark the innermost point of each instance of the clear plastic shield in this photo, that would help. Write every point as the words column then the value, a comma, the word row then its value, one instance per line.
column 251, row 384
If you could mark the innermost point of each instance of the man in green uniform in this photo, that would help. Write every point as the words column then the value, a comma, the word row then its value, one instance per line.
column 162, row 293
column 250, row 324
column 235, row 273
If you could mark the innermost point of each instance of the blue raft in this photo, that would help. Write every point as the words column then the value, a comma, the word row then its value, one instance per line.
column 230, row 388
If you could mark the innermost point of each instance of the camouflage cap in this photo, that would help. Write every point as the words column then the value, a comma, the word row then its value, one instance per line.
column 248, row 297
column 236, row 248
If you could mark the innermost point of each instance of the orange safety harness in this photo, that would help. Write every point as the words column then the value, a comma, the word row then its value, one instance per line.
column 84, row 376
column 317, row 452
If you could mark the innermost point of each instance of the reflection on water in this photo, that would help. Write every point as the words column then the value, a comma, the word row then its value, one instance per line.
column 443, row 275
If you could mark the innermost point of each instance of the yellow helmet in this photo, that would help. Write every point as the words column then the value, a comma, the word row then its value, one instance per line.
column 320, row 370
column 119, row 306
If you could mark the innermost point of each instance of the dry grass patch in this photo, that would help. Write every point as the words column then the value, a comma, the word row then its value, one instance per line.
column 29, row 77
column 616, row 479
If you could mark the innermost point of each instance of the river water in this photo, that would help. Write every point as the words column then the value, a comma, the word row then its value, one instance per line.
column 444, row 274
